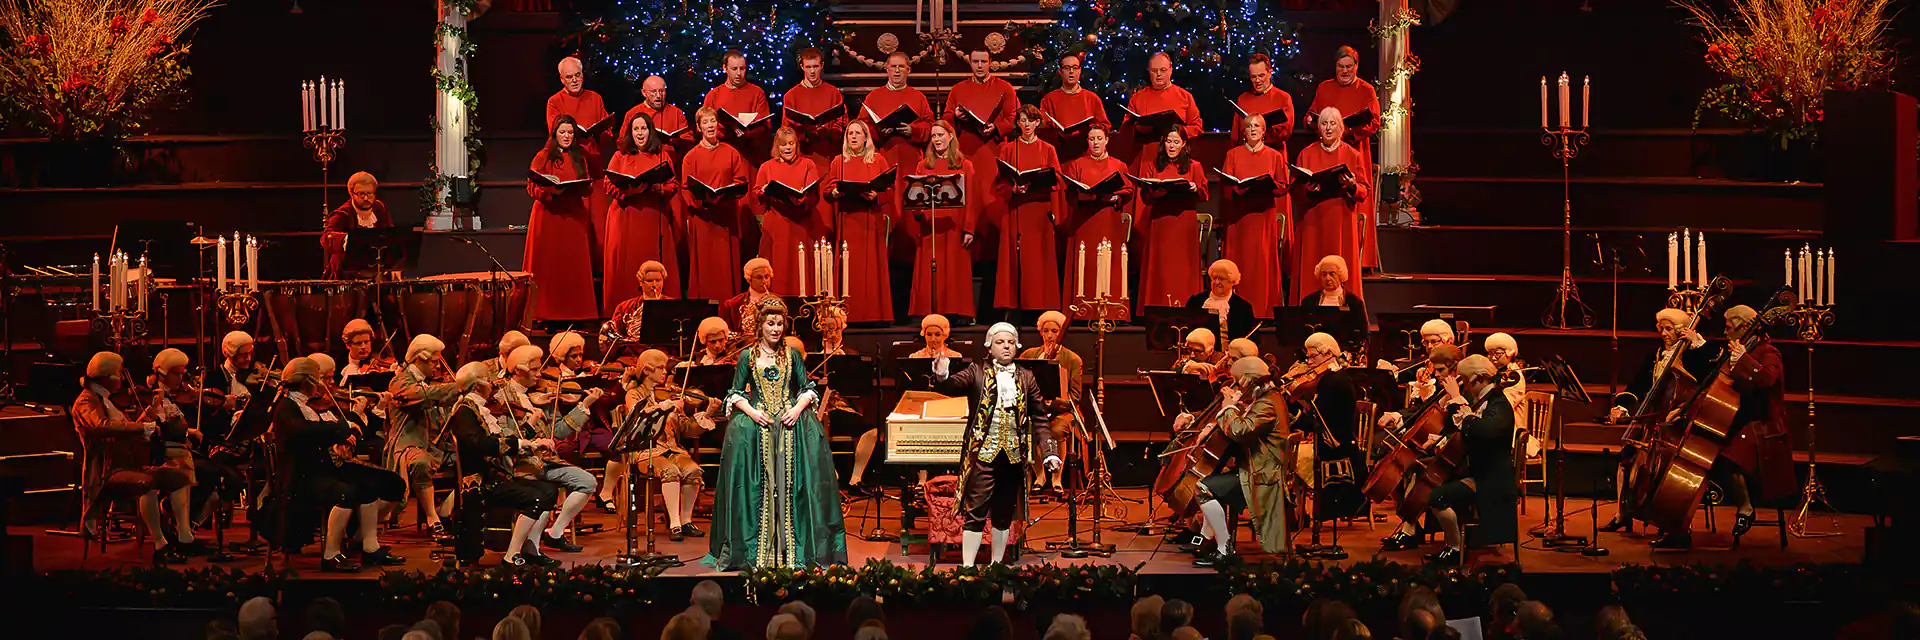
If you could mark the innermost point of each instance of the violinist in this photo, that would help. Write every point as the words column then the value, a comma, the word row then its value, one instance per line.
column 1329, row 418
column 421, row 392
column 1200, row 356
column 1504, row 352
column 565, row 382
column 833, row 331
column 713, row 334
column 624, row 326
column 1676, row 335
column 1484, row 423
column 1439, row 369
column 238, row 377
column 837, row 411
column 353, row 406
column 368, row 414
column 1253, row 471
column 934, row 331
column 1434, row 334
column 524, row 420
column 649, row 393
column 169, row 390
column 1238, row 348
column 314, row 430
column 497, row 368
column 489, row 476
column 117, row 456
column 1053, row 328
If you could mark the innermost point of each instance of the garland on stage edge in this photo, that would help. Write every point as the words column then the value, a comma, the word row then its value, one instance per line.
column 154, row 587
column 1744, row 584
column 1371, row 585
column 1018, row 586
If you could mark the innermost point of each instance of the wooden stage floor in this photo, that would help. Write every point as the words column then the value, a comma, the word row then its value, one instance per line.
column 1761, row 546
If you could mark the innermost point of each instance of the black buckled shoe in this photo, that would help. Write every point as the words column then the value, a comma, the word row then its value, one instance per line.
column 339, row 563
column 561, row 544
column 1194, row 544
column 692, row 531
column 677, row 534
column 1742, row 523
column 1399, row 541
column 1616, row 524
column 1210, row 559
column 438, row 531
column 1449, row 555
column 1679, row 541
column 381, row 557
column 539, row 559
column 168, row 555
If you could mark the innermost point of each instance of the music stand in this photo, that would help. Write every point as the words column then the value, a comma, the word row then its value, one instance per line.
column 1177, row 391
column 847, row 375
column 382, row 249
column 378, row 381
column 666, row 322
column 916, row 374
column 1292, row 325
column 1167, row 327
column 1567, row 388
column 929, row 193
column 1402, row 333
column 1045, row 372
column 1377, row 385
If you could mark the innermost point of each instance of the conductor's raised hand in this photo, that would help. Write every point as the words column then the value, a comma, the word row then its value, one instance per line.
column 942, row 366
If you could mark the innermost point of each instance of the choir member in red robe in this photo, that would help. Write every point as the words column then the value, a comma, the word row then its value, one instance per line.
column 818, row 142
column 641, row 224
column 1093, row 219
column 1266, row 99
column 789, row 227
column 744, row 100
column 713, row 224
column 363, row 209
column 945, row 251
column 1351, row 95
column 990, row 100
column 587, row 109
column 1254, row 221
column 669, row 120
column 862, row 222
column 559, row 232
column 1170, row 225
column 1332, row 226
column 1029, row 273
column 1161, row 94
column 902, row 144
column 1071, row 104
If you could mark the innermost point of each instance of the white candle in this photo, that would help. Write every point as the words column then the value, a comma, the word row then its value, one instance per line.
column 1566, row 99
column 1543, row 102
column 113, row 281
column 324, row 96
column 1820, row 276
column 823, row 265
column 1123, row 271
column 239, row 266
column 1806, row 271
column 1673, row 261
column 1686, row 255
column 1103, row 281
column 1833, row 280
column 1586, row 101
column 220, row 267
column 253, row 264
column 343, row 105
column 1705, row 275
column 846, row 267
column 140, row 296
column 1786, row 266
column 96, row 283
column 306, row 109
column 1080, row 269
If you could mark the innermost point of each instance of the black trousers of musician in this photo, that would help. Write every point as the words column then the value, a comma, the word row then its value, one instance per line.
column 351, row 485
column 214, row 477
column 993, row 494
column 524, row 496
column 1225, row 487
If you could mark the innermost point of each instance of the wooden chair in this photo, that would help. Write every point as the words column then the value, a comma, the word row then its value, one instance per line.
column 1540, row 416
column 1366, row 414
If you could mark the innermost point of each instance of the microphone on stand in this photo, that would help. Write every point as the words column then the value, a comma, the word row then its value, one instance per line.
column 497, row 267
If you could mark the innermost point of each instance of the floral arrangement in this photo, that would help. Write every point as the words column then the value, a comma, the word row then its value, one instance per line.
column 93, row 69
column 155, row 586
column 1779, row 56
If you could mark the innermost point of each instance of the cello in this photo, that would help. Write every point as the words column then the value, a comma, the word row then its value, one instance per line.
column 1411, row 458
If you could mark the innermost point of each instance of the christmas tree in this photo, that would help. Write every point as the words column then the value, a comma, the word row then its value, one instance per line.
column 684, row 42
column 1208, row 40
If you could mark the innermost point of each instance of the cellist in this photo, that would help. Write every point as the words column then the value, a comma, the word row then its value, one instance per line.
column 1484, row 423
column 1441, row 359
column 1253, row 471
column 1676, row 333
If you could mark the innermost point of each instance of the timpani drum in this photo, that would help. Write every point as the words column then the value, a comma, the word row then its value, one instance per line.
column 308, row 315
column 468, row 311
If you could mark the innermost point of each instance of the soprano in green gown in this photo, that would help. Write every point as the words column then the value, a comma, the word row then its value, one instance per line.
column 776, row 503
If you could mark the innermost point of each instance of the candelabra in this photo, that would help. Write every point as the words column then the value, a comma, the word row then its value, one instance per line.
column 323, row 119
column 324, row 144
column 1100, row 479
column 120, row 327
column 1811, row 321
column 1687, row 298
column 238, row 306
column 1565, row 142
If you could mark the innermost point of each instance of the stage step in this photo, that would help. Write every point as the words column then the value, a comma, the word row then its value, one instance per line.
column 1520, row 299
column 1536, row 250
column 1473, row 152
column 1637, row 202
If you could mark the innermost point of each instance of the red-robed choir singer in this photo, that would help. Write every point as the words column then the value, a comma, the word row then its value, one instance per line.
column 714, row 224
column 669, row 120
column 1170, row 224
column 1069, row 105
column 363, row 209
column 559, row 231
column 789, row 224
column 982, row 107
column 901, row 144
column 1255, row 220
column 587, row 109
column 1348, row 93
column 1029, row 274
column 745, row 100
column 1331, row 226
column 1159, row 95
column 820, row 141
column 642, row 222
column 952, row 229
column 1094, row 218
column 863, row 220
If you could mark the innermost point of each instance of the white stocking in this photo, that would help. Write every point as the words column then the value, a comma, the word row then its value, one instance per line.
column 337, row 518
column 689, row 496
column 568, row 509
column 1215, row 517
column 670, row 496
column 182, row 513
column 523, row 528
column 616, row 477
column 969, row 547
column 1000, row 546
column 150, row 515
column 370, row 525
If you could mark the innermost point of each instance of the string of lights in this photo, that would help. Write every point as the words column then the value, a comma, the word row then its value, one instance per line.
column 684, row 42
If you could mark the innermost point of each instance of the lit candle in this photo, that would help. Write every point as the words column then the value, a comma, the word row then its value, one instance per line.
column 823, row 265
column 96, row 283
column 1080, row 270
column 846, row 268
column 324, row 96
column 253, row 264
column 220, row 266
column 1704, row 274
column 1820, row 276
column 1566, row 99
column 1123, row 271
column 1543, row 102
column 1673, row 261
column 1103, row 280
column 1586, row 101
column 1833, row 280
column 800, row 254
column 343, row 105
column 1806, row 272
column 306, row 108
column 1686, row 255
column 1786, row 266
column 113, row 281
column 239, row 266
column 140, row 290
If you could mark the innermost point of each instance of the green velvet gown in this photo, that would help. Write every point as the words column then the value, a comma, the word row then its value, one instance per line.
column 776, row 503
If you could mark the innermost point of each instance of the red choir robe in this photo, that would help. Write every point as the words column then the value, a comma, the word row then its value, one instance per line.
column 863, row 226
column 1029, row 277
column 558, row 238
column 955, row 266
column 994, row 102
column 1255, row 234
column 820, row 143
column 1170, row 228
column 1067, row 109
column 668, row 120
column 749, row 98
column 1090, row 222
column 1352, row 99
column 1148, row 101
column 785, row 224
column 643, row 224
column 902, row 150
column 587, row 110
column 713, row 228
column 1331, row 227
column 1277, row 128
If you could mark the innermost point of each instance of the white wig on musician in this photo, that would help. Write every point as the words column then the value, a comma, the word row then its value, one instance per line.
column 525, row 357
column 1671, row 316
column 234, row 342
column 756, row 264
column 1741, row 312
column 169, row 358
column 326, row 363
column 1053, row 317
column 565, row 343
column 424, row 346
column 1502, row 341
column 1225, row 267
column 355, row 327
column 1249, row 367
column 1202, row 336
column 935, row 320
column 1474, row 366
column 712, row 326
column 1238, row 348
column 1006, row 328
column 652, row 359
column 1333, row 264
column 1437, row 327
column 471, row 375
column 650, row 265
column 300, row 372
column 105, row 364
column 513, row 340
column 1322, row 342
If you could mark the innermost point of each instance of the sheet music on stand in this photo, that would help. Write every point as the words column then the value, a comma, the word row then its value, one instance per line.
column 1566, row 383
column 916, row 374
column 1176, row 391
column 847, row 375
column 1167, row 327
column 383, row 249
column 711, row 379
column 669, row 322
column 1099, row 418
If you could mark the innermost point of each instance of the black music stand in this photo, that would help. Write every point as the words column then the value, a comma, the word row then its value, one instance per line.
column 167, row 244
column 847, row 375
column 924, row 194
column 1292, row 325
column 1472, row 315
column 1167, row 327
column 672, row 322
column 1177, row 391
column 382, row 249
column 1567, row 388
column 378, row 381
column 711, row 379
column 916, row 374
column 1401, row 331
column 1376, row 385
column 1046, row 372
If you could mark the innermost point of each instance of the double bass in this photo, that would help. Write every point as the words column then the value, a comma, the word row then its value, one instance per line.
column 1648, row 430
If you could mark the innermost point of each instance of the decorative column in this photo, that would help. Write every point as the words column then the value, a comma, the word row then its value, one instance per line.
column 452, row 108
column 1397, row 67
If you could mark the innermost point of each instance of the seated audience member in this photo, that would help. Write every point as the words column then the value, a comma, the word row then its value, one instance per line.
column 1501, row 607
column 419, row 634
column 530, row 615
column 1145, row 618
column 1174, row 614
column 871, row 632
column 325, row 614
column 1324, row 616
column 1068, row 626
column 803, row 612
column 1444, row 632
column 447, row 615
column 1244, row 625
column 864, row 610
column 786, row 627
column 511, row 628
column 259, row 620
column 711, row 600
column 1353, row 630
column 392, row 632
column 686, row 625
column 993, row 623
column 1534, row 621
column 426, row 628
column 1187, row 633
